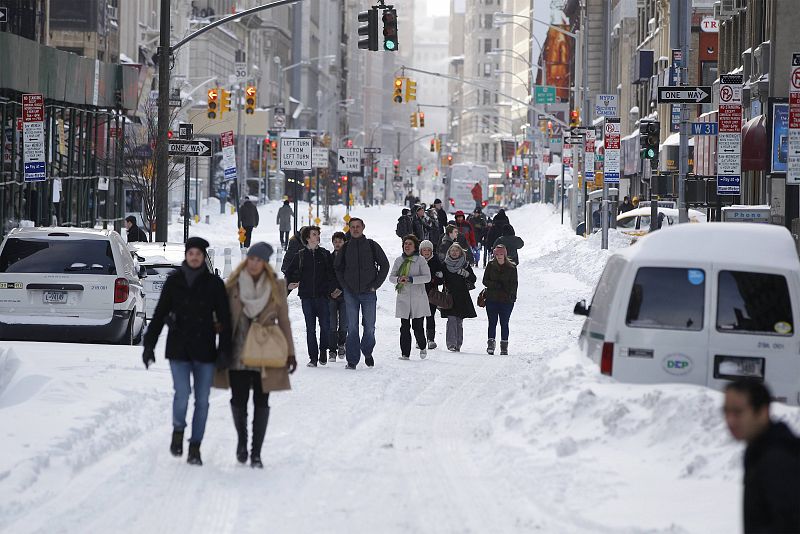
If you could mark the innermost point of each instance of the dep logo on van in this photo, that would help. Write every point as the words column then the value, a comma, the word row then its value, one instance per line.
column 677, row 364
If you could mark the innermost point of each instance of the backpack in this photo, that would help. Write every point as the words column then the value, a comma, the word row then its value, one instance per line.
column 404, row 227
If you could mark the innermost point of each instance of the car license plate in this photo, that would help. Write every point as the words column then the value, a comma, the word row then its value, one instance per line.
column 55, row 297
column 158, row 286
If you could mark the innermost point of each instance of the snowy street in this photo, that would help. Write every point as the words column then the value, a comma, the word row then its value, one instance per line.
column 460, row 442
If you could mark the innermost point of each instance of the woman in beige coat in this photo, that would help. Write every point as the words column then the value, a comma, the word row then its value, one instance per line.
column 255, row 294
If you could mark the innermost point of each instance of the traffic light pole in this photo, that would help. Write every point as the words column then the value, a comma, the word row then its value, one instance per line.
column 680, row 33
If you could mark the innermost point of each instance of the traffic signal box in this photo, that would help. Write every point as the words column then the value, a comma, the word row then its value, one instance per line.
column 368, row 29
column 411, row 90
column 212, row 105
column 414, row 122
column 421, row 119
column 397, row 96
column 574, row 118
column 390, row 43
column 225, row 102
column 649, row 137
column 250, row 99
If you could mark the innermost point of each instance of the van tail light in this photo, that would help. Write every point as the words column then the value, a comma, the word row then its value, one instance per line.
column 121, row 290
column 607, row 359
column 453, row 202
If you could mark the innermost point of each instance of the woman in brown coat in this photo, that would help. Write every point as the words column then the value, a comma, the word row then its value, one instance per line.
column 256, row 294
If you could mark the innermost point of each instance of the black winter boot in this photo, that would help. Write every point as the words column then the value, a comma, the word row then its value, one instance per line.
column 176, row 447
column 240, row 422
column 323, row 356
column 504, row 348
column 193, row 457
column 260, row 420
column 490, row 346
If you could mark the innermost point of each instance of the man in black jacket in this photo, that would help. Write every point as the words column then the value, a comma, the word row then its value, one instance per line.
column 135, row 234
column 771, row 460
column 361, row 268
column 194, row 305
column 248, row 217
column 418, row 226
column 311, row 272
column 336, row 307
column 440, row 213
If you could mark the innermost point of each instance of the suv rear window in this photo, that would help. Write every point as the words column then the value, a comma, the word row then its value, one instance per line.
column 667, row 298
column 754, row 302
column 153, row 270
column 57, row 256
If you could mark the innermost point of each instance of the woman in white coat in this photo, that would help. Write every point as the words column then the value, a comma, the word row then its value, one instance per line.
column 409, row 275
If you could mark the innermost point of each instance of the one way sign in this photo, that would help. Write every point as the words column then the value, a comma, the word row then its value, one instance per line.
column 684, row 95
column 3, row 15
column 198, row 147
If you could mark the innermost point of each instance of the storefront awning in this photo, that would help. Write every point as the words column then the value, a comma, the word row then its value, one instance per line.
column 754, row 144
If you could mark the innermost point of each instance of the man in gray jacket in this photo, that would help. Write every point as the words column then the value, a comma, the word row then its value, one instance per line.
column 361, row 268
column 284, row 223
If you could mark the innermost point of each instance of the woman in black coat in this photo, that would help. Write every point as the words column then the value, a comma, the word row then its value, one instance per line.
column 459, row 280
column 437, row 279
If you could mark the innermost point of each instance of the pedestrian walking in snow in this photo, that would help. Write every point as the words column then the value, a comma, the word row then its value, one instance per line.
column 418, row 226
column 284, row 222
column 295, row 245
column 480, row 226
column 437, row 278
column 435, row 231
column 441, row 214
column 134, row 233
column 194, row 305
column 477, row 194
column 256, row 297
column 248, row 218
column 452, row 235
column 771, row 460
column 361, row 268
column 465, row 228
column 500, row 280
column 495, row 232
column 336, row 308
column 512, row 243
column 459, row 280
column 311, row 272
column 405, row 224
column 410, row 274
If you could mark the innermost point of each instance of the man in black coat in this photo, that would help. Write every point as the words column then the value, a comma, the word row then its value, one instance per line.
column 135, row 234
column 771, row 460
column 248, row 217
column 311, row 272
column 440, row 213
column 194, row 305
column 418, row 226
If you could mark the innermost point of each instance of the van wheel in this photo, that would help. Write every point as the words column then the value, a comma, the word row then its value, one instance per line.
column 127, row 337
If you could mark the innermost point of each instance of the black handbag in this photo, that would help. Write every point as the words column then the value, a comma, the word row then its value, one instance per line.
column 442, row 299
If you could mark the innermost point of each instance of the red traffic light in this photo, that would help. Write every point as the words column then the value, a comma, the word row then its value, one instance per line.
column 419, row 168
column 274, row 144
column 349, row 143
column 396, row 162
column 169, row 134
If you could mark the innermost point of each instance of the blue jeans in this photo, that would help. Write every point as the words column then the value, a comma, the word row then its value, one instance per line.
column 203, row 374
column 337, row 310
column 499, row 310
column 367, row 303
column 315, row 309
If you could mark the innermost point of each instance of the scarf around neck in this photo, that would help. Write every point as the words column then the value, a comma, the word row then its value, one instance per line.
column 455, row 265
column 404, row 269
column 254, row 295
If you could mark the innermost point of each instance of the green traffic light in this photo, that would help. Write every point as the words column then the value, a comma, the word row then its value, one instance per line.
column 390, row 45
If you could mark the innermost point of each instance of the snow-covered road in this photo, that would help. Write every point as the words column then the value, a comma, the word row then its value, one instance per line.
column 536, row 441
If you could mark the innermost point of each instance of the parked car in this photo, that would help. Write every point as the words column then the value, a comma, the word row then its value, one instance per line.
column 69, row 284
column 636, row 222
column 700, row 304
column 159, row 260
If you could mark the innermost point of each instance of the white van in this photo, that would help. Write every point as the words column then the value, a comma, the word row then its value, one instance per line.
column 461, row 178
column 700, row 304
column 69, row 284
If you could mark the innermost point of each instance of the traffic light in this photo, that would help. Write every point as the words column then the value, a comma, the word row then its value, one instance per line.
column 419, row 170
column 525, row 171
column 515, row 171
column 411, row 90
column 414, row 120
column 574, row 118
column 649, row 134
column 390, row 43
column 368, row 29
column 433, row 145
column 449, row 159
column 421, row 118
column 398, row 90
column 170, row 134
column 349, row 143
column 213, row 105
column 274, row 148
column 438, row 145
column 396, row 170
column 250, row 100
column 225, row 102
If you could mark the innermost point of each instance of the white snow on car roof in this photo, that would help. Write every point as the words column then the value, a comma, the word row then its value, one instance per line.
column 733, row 243
column 170, row 253
column 40, row 232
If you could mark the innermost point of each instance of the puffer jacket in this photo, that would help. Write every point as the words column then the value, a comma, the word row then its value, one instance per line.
column 500, row 282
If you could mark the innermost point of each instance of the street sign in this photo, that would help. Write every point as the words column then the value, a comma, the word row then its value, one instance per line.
column 296, row 153
column 195, row 148
column 348, row 160
column 228, row 154
column 704, row 128
column 544, row 94
column 385, row 161
column 611, row 140
column 606, row 106
column 185, row 130
column 793, row 156
column 279, row 118
column 175, row 102
column 372, row 150
column 684, row 95
column 729, row 138
column 3, row 15
column 319, row 157
column 588, row 156
column 240, row 70
column 33, row 137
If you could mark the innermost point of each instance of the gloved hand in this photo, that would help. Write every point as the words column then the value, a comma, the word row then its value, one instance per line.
column 463, row 272
column 438, row 274
column 291, row 365
column 148, row 357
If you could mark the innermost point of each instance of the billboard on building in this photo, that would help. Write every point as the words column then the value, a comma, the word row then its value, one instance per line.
column 557, row 56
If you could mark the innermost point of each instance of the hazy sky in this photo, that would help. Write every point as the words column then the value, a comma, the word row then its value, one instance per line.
column 437, row 7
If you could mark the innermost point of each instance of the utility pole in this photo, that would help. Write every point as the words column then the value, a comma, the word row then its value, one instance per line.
column 162, row 157
column 241, row 147
column 680, row 34
column 531, row 132
column 604, row 212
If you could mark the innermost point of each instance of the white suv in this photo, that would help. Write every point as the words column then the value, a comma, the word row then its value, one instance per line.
column 69, row 284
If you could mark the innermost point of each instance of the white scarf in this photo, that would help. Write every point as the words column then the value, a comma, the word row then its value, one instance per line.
column 254, row 296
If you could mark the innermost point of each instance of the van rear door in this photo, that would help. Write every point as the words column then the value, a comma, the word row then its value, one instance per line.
column 663, row 331
column 753, row 331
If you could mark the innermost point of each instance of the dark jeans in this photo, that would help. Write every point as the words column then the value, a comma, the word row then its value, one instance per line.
column 315, row 309
column 338, row 315
column 367, row 303
column 284, row 239
column 499, row 310
column 248, row 235
column 202, row 374
column 431, row 323
column 405, row 334
column 241, row 384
